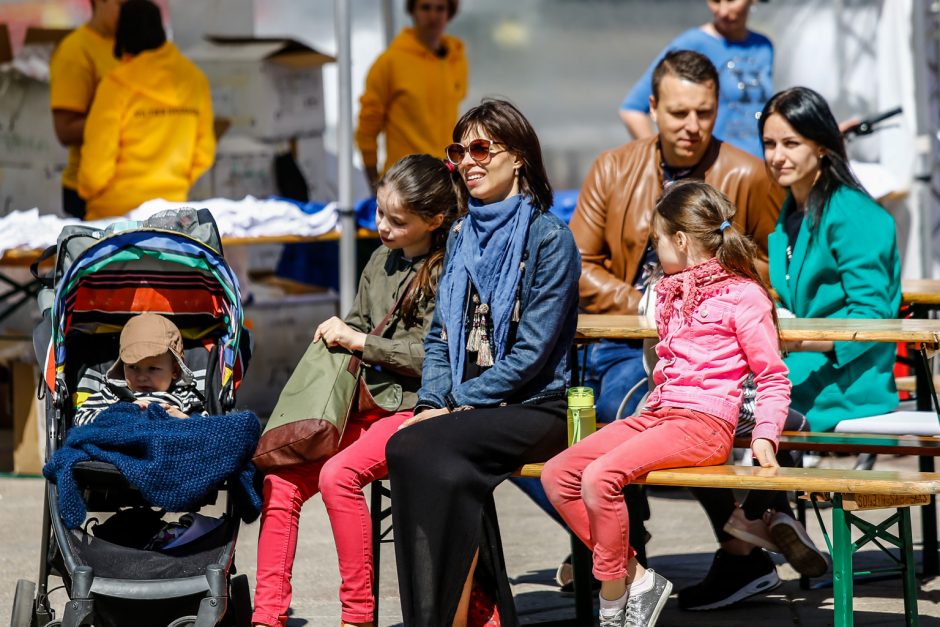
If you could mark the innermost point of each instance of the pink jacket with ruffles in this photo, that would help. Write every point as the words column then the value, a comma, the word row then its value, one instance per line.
column 715, row 328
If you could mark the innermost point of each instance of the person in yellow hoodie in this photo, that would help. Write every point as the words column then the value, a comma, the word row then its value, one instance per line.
column 413, row 90
column 149, row 133
column 78, row 64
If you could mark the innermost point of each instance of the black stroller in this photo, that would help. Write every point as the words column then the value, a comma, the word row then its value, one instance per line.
column 170, row 264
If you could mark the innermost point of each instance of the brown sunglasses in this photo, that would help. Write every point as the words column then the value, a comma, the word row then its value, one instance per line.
column 479, row 150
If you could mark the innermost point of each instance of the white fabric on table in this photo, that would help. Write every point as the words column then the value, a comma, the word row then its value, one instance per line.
column 249, row 217
column 895, row 423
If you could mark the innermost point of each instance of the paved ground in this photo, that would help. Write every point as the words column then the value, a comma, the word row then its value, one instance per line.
column 681, row 548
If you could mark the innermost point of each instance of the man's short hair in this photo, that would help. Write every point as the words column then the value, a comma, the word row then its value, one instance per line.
column 451, row 7
column 686, row 65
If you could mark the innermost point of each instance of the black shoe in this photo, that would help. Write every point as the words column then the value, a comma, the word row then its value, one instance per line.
column 730, row 579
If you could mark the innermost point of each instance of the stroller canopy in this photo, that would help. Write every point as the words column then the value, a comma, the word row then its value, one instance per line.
column 170, row 264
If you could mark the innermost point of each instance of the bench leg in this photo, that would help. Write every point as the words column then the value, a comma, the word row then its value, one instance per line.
column 842, row 551
column 931, row 564
column 583, row 595
column 907, row 555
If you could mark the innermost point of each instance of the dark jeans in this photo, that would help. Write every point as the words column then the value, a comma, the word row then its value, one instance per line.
column 73, row 204
column 611, row 369
column 719, row 503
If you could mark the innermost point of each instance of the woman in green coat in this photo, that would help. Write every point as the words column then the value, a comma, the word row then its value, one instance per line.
column 833, row 254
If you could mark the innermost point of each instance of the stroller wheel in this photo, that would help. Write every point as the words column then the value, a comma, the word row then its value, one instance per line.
column 186, row 621
column 23, row 601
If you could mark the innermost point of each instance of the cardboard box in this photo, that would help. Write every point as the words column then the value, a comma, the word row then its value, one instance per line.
column 242, row 166
column 314, row 162
column 24, row 187
column 270, row 88
column 28, row 415
column 31, row 157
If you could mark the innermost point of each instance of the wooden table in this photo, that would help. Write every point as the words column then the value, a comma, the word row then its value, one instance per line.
column 909, row 330
column 922, row 333
column 19, row 292
column 920, row 293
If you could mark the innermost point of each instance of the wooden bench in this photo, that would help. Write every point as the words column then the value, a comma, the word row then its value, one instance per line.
column 848, row 490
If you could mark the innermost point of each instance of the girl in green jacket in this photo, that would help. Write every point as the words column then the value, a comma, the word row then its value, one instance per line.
column 833, row 254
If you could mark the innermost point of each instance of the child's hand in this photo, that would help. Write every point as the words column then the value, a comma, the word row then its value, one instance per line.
column 335, row 332
column 142, row 404
column 764, row 453
column 424, row 415
column 176, row 412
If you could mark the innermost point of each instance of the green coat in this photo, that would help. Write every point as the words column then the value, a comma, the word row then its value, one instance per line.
column 848, row 268
column 399, row 351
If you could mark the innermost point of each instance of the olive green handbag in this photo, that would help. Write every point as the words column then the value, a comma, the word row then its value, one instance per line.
column 326, row 386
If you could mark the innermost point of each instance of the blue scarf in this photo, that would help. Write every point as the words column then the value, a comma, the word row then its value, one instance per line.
column 488, row 252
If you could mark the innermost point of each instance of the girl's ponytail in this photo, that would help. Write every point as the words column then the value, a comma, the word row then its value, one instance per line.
column 707, row 216
column 427, row 188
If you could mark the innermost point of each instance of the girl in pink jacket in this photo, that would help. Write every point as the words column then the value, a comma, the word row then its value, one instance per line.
column 716, row 324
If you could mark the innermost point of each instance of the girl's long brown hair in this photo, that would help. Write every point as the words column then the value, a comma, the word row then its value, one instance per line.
column 699, row 210
column 427, row 188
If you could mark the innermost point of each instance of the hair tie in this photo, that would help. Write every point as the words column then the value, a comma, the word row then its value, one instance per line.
column 723, row 226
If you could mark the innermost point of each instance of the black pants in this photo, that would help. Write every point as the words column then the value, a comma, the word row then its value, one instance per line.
column 73, row 204
column 443, row 472
column 719, row 503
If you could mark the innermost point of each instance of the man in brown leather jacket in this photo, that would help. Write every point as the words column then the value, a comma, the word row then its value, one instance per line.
column 611, row 226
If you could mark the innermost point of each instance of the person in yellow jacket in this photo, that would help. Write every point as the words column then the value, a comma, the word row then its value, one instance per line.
column 78, row 64
column 413, row 90
column 149, row 133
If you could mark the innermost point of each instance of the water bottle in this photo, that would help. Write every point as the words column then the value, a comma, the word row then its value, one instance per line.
column 582, row 420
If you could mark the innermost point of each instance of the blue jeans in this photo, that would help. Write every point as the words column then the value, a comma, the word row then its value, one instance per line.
column 611, row 369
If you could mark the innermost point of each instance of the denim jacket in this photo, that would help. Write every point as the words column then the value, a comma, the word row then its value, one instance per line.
column 536, row 365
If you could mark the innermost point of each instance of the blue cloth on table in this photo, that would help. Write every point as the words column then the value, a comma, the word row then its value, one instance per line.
column 174, row 462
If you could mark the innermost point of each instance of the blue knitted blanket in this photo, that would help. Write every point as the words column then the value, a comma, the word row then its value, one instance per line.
column 175, row 463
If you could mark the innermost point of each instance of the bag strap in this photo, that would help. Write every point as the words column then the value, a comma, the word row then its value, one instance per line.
column 47, row 281
column 354, row 363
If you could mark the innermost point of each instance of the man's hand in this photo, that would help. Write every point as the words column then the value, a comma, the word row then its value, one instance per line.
column 763, row 450
column 372, row 178
column 335, row 332
column 69, row 126
column 424, row 415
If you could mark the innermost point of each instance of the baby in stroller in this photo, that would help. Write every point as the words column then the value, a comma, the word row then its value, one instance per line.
column 154, row 371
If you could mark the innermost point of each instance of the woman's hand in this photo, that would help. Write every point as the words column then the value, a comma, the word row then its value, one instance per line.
column 424, row 415
column 764, row 453
column 335, row 332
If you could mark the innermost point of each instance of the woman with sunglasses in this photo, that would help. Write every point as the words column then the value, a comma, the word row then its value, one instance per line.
column 495, row 372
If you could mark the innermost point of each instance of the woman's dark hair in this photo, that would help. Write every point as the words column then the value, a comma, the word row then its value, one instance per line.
column 809, row 115
column 452, row 6
column 503, row 122
column 139, row 28
column 701, row 211
column 426, row 187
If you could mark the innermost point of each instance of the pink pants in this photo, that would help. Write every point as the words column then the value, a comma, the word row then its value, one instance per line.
column 584, row 482
column 340, row 479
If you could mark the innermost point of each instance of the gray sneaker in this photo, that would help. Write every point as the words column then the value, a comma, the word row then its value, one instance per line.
column 613, row 620
column 644, row 609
